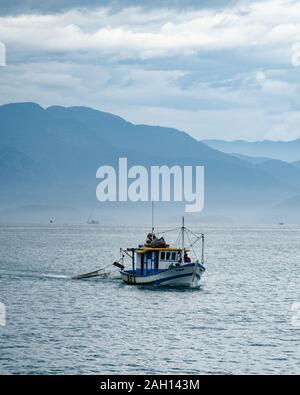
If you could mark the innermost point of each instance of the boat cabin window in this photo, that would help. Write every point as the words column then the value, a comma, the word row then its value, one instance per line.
column 168, row 256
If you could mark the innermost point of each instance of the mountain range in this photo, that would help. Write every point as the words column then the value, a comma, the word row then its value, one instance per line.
column 49, row 157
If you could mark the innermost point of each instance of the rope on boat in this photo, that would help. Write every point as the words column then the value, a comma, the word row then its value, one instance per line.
column 168, row 231
column 194, row 234
column 95, row 273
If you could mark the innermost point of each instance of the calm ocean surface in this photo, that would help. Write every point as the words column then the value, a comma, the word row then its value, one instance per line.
column 240, row 321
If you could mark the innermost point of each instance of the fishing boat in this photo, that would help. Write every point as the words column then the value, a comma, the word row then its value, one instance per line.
column 157, row 263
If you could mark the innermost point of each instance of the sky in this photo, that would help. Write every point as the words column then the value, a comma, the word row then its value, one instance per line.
column 215, row 69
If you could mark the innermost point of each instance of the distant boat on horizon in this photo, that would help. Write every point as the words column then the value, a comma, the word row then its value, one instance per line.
column 92, row 221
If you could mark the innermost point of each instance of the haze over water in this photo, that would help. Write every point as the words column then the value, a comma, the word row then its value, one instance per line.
column 240, row 321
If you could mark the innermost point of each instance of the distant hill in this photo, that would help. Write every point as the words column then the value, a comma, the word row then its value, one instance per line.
column 50, row 156
column 297, row 164
column 288, row 151
column 252, row 159
column 16, row 167
column 287, row 211
column 287, row 173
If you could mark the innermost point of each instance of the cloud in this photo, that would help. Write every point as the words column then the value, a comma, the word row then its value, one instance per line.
column 131, row 33
column 273, row 86
column 206, row 70
column 153, row 96
column 14, row 7
column 296, row 54
column 285, row 126
column 2, row 55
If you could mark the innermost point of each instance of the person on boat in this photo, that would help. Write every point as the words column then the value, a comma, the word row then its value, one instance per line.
column 187, row 259
column 150, row 238
column 155, row 242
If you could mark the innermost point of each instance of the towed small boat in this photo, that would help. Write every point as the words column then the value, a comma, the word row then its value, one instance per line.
column 156, row 263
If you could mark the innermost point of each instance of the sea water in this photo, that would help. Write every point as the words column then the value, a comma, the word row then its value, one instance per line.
column 245, row 318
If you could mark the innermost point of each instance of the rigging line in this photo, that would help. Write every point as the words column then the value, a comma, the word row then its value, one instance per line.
column 178, row 238
column 191, row 245
column 194, row 234
column 167, row 231
column 197, row 237
column 196, row 241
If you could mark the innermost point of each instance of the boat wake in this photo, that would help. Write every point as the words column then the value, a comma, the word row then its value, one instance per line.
column 55, row 276
column 30, row 274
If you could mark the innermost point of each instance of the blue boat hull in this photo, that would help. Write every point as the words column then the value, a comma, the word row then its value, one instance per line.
column 184, row 275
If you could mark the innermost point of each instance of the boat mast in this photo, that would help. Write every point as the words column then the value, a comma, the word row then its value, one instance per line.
column 182, row 237
column 152, row 219
column 202, row 256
